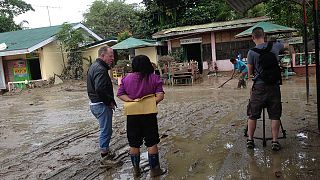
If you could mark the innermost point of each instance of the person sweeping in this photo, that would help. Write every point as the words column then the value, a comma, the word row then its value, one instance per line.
column 242, row 70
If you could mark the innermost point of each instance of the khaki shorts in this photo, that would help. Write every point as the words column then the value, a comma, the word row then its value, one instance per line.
column 265, row 96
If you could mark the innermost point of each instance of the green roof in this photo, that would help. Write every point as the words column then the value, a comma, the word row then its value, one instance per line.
column 28, row 40
column 24, row 39
column 215, row 26
column 269, row 28
column 132, row 43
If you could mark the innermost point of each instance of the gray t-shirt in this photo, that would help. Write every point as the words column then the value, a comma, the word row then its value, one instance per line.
column 253, row 58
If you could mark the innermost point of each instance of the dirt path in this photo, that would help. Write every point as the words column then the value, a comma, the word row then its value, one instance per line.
column 50, row 134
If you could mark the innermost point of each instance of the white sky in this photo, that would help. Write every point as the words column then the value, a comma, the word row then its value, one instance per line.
column 60, row 11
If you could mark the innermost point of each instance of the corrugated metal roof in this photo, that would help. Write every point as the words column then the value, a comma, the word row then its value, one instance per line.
column 243, row 5
column 269, row 28
column 24, row 39
column 215, row 26
column 132, row 43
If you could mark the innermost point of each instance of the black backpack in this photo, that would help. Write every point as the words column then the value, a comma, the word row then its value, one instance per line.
column 271, row 72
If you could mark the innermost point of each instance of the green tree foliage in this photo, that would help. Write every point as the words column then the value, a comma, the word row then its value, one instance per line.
column 144, row 27
column 289, row 13
column 166, row 13
column 70, row 40
column 161, row 14
column 207, row 11
column 123, row 36
column 257, row 11
column 109, row 18
column 8, row 10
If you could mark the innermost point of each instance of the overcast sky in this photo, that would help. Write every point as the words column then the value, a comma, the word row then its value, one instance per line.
column 60, row 11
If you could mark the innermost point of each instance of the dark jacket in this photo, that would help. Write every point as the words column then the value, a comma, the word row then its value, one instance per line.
column 99, row 85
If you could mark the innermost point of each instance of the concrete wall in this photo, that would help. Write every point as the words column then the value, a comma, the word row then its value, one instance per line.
column 224, row 65
column 2, row 79
column 90, row 52
column 151, row 52
column 93, row 53
column 51, row 61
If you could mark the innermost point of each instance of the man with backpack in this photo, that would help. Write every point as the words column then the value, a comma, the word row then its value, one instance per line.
column 265, row 93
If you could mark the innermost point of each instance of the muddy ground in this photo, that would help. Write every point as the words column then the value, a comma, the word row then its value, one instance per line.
column 49, row 133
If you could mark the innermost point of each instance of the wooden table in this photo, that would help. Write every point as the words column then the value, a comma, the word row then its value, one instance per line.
column 185, row 76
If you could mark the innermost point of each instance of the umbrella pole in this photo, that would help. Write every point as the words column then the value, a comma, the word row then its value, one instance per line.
column 316, row 45
column 305, row 39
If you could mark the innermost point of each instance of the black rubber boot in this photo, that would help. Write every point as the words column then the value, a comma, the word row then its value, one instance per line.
column 244, row 84
column 239, row 84
column 135, row 159
column 155, row 169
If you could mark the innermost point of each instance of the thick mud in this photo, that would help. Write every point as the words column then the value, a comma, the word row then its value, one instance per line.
column 49, row 133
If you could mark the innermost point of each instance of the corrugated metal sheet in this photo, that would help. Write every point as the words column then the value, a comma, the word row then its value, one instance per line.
column 243, row 5
column 215, row 26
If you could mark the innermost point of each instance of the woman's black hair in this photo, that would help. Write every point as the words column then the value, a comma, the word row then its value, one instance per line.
column 142, row 64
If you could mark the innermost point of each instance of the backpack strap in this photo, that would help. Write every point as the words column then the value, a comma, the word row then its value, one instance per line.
column 264, row 50
column 259, row 51
column 269, row 47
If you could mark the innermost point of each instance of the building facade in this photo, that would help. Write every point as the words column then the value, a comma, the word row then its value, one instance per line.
column 210, row 44
column 33, row 54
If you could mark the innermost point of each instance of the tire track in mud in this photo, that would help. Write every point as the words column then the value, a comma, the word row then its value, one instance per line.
column 76, row 167
column 189, row 118
column 88, row 168
column 26, row 161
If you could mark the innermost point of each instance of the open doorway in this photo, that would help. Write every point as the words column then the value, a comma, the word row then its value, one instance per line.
column 35, row 70
column 193, row 52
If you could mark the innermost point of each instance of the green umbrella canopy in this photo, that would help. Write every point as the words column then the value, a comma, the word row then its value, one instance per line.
column 131, row 43
column 269, row 28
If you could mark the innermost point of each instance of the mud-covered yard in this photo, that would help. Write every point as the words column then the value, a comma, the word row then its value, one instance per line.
column 49, row 133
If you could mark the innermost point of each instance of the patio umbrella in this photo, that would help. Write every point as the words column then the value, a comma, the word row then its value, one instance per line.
column 269, row 28
column 131, row 43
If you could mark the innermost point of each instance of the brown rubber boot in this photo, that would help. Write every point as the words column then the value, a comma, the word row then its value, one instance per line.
column 157, row 171
column 136, row 172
